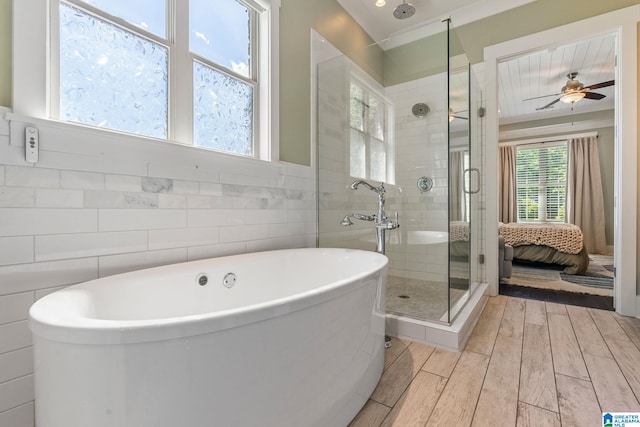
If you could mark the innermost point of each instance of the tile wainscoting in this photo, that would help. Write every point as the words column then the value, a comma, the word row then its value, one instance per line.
column 86, row 211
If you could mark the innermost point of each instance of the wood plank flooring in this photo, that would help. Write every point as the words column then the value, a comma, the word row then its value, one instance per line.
column 527, row 363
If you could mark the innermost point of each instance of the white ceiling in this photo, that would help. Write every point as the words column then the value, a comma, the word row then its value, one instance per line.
column 545, row 73
column 380, row 24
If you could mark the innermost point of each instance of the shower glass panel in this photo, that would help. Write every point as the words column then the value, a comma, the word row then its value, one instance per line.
column 384, row 115
column 460, row 174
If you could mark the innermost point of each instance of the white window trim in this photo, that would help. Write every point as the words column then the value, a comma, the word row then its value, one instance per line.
column 366, row 131
column 31, row 76
column 549, row 141
column 369, row 84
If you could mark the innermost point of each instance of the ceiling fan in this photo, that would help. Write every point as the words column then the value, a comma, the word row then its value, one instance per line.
column 454, row 115
column 574, row 91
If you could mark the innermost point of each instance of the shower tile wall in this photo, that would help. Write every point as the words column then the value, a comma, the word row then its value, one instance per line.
column 62, row 223
column 421, row 150
column 335, row 198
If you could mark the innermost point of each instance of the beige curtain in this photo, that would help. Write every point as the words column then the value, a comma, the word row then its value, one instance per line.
column 508, row 203
column 585, row 202
column 457, row 196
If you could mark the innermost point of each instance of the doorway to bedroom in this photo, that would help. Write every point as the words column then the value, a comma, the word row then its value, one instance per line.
column 557, row 172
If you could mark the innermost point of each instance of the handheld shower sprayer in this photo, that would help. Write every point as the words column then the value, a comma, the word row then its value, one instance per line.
column 346, row 221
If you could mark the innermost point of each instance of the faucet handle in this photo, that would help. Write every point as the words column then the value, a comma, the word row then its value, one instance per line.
column 390, row 225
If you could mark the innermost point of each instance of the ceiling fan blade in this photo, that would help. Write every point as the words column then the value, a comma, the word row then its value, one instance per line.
column 603, row 84
column 548, row 105
column 543, row 96
column 460, row 117
column 594, row 95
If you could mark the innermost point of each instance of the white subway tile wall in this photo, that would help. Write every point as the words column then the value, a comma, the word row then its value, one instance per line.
column 420, row 150
column 55, row 198
column 63, row 223
column 16, row 250
column 22, row 415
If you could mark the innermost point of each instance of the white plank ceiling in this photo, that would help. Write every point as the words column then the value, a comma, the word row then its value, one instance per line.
column 545, row 73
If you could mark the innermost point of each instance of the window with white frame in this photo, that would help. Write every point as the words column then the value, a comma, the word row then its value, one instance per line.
column 369, row 150
column 189, row 71
column 541, row 182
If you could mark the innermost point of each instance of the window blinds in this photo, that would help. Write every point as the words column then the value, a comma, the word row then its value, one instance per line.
column 541, row 182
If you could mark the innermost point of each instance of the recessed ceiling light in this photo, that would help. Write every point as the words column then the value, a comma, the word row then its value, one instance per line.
column 380, row 3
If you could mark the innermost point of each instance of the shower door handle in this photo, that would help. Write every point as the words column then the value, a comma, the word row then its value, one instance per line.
column 467, row 173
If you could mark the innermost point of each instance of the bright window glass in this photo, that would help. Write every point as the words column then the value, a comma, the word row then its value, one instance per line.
column 357, row 158
column 378, row 161
column 114, row 76
column 138, row 13
column 223, row 111
column 368, row 149
column 357, row 107
column 222, row 33
column 541, row 181
column 111, row 77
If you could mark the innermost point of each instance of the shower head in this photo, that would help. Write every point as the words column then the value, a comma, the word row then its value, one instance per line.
column 420, row 109
column 404, row 11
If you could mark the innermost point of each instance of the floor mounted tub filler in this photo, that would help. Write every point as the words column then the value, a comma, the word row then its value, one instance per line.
column 282, row 338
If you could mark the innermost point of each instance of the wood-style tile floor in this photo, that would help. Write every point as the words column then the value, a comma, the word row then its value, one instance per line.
column 527, row 363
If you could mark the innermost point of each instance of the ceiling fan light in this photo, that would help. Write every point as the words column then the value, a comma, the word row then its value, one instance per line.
column 380, row 3
column 572, row 97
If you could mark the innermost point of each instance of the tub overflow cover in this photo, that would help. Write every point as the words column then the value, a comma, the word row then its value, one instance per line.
column 229, row 280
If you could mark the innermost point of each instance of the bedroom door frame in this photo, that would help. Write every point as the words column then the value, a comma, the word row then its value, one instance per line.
column 623, row 22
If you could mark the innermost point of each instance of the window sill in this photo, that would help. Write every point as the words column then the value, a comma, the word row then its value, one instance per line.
column 73, row 146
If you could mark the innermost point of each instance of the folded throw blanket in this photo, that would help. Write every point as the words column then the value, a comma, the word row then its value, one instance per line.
column 565, row 238
column 458, row 231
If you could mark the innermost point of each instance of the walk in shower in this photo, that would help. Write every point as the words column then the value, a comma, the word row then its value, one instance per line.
column 405, row 115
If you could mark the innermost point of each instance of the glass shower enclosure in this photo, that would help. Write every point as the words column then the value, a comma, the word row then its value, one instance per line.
column 406, row 120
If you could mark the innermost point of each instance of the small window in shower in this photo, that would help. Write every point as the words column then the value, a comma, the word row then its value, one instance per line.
column 369, row 150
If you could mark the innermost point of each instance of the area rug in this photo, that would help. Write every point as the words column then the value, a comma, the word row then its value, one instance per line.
column 598, row 279
column 419, row 299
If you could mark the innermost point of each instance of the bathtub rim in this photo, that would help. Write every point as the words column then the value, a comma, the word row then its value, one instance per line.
column 77, row 329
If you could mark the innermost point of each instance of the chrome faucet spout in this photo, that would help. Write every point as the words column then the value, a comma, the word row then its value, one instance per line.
column 382, row 223
column 346, row 221
column 354, row 186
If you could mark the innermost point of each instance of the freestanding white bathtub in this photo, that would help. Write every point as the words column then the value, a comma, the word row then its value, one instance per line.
column 283, row 338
